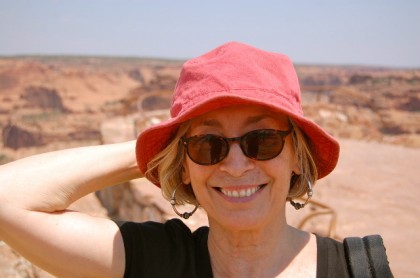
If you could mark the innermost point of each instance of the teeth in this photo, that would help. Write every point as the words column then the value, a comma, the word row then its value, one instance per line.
column 240, row 193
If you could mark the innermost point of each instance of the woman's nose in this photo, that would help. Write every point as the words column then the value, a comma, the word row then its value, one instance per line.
column 236, row 163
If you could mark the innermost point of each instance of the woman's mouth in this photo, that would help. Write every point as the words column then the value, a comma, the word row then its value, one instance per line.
column 240, row 192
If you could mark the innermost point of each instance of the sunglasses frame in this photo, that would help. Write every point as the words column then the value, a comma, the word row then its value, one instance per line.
column 283, row 134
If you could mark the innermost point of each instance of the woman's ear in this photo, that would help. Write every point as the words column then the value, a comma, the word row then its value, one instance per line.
column 296, row 169
column 186, row 179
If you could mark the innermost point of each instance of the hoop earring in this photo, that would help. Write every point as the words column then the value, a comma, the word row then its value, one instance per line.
column 310, row 192
column 184, row 215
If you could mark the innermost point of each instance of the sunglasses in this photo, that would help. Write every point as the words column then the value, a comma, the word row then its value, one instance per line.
column 260, row 144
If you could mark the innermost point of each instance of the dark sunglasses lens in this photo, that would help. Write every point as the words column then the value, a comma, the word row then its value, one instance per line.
column 207, row 149
column 262, row 144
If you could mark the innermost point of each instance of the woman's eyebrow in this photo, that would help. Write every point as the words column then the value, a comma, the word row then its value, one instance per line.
column 211, row 123
column 256, row 119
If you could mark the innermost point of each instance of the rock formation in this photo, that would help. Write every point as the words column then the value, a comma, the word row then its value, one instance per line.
column 16, row 137
column 43, row 98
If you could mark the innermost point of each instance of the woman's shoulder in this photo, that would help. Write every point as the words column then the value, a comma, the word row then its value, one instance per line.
column 171, row 226
column 328, row 244
column 166, row 249
column 170, row 234
column 331, row 259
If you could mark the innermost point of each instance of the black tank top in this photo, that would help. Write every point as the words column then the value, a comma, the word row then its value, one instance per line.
column 170, row 249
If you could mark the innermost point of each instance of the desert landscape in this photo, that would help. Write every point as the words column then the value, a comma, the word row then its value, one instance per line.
column 49, row 103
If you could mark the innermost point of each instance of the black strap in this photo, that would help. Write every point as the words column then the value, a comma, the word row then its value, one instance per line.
column 377, row 256
column 366, row 257
column 357, row 258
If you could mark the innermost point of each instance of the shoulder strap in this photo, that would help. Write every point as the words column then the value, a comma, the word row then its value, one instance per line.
column 366, row 257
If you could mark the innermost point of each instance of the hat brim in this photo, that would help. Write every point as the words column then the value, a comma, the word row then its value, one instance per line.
column 154, row 139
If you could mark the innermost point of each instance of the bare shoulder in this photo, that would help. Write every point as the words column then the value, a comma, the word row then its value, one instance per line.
column 305, row 262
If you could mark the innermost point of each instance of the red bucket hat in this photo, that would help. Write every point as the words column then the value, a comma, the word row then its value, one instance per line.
column 233, row 74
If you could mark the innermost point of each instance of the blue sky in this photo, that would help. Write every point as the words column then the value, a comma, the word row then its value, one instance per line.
column 362, row 32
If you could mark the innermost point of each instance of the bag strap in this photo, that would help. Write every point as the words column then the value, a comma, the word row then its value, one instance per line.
column 366, row 257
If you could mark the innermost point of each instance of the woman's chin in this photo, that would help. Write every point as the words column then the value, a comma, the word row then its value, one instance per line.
column 241, row 221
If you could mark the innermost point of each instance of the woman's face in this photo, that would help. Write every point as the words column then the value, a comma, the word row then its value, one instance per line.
column 239, row 192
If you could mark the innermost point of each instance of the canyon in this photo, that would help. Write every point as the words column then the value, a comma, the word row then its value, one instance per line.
column 49, row 103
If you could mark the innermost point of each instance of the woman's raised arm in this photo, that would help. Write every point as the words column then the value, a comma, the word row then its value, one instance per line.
column 34, row 195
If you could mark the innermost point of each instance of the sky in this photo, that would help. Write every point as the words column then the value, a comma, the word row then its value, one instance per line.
column 351, row 32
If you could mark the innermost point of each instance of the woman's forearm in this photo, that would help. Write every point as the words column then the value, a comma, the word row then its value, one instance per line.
column 52, row 181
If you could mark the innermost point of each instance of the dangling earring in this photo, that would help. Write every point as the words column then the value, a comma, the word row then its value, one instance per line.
column 184, row 215
column 310, row 192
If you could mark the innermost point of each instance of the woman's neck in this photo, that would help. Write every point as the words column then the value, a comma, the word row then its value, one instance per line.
column 263, row 252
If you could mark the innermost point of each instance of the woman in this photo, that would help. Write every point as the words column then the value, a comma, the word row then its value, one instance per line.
column 237, row 145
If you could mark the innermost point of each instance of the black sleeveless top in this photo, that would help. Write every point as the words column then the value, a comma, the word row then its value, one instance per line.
column 170, row 249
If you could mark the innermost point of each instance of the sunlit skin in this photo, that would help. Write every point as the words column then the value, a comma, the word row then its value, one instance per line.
column 255, row 223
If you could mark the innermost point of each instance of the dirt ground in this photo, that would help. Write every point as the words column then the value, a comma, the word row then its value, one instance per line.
column 375, row 190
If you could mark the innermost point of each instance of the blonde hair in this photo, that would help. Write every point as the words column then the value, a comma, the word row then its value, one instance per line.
column 307, row 165
column 167, row 166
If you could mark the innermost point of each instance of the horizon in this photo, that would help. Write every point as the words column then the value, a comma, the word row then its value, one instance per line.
column 377, row 33
column 179, row 60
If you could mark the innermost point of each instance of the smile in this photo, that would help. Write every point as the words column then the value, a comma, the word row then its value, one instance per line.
column 240, row 193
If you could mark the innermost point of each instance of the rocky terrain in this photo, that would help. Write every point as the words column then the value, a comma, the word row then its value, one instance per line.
column 51, row 100
column 50, row 103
